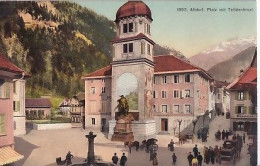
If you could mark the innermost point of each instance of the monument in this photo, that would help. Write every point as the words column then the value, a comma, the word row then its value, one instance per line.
column 132, row 73
column 123, row 129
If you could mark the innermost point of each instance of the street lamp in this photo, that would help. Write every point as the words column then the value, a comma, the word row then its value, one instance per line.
column 179, row 129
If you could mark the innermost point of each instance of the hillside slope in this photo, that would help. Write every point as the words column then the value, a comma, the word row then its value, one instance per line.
column 56, row 42
column 230, row 69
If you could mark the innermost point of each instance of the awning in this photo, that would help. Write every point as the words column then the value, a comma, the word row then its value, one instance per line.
column 9, row 155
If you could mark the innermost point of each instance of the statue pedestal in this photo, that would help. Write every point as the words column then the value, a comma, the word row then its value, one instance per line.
column 123, row 130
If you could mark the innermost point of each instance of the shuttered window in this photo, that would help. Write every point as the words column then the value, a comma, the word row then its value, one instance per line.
column 16, row 106
column 2, row 124
column 4, row 89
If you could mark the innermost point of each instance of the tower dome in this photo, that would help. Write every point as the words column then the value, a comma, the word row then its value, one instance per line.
column 132, row 8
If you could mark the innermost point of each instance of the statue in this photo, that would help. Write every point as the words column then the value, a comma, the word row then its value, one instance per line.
column 122, row 106
column 123, row 129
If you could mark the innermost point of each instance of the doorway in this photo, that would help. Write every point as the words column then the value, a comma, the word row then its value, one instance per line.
column 164, row 124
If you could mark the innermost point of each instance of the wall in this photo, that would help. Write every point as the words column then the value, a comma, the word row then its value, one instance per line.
column 51, row 126
column 6, row 108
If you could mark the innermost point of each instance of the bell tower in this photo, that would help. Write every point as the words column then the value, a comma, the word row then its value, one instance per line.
column 133, row 67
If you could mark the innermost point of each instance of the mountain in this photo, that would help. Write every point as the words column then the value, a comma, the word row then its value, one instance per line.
column 222, row 52
column 230, row 69
column 57, row 42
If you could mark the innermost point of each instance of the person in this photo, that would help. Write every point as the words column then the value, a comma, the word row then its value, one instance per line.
column 115, row 159
column 208, row 155
column 223, row 135
column 68, row 158
column 153, row 148
column 218, row 134
column 195, row 151
column 227, row 134
column 212, row 156
column 216, row 152
column 174, row 158
column 123, row 160
column 244, row 138
column 205, row 153
column 171, row 145
column 200, row 158
column 155, row 161
column 194, row 161
column 190, row 157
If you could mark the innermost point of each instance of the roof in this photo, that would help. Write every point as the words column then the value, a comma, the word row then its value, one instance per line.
column 6, row 65
column 38, row 102
column 105, row 71
column 220, row 84
column 163, row 64
column 132, row 8
column 247, row 78
column 9, row 155
column 137, row 37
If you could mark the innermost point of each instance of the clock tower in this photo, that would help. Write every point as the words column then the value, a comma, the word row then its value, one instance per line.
column 133, row 67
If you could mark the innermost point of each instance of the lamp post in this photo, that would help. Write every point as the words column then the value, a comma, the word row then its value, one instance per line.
column 179, row 129
column 91, row 153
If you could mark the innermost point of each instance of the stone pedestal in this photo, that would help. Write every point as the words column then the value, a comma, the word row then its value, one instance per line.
column 141, row 129
column 123, row 130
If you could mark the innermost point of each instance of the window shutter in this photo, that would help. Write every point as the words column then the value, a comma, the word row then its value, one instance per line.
column 249, row 96
column 136, row 24
column 180, row 93
column 17, row 106
column 7, row 90
column 236, row 95
column 236, row 109
column 144, row 27
column 245, row 95
column 2, row 124
column 245, row 110
column 250, row 110
column 156, row 94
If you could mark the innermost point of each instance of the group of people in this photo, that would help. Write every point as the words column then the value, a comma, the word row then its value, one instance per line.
column 203, row 134
column 209, row 155
column 123, row 159
column 171, row 147
column 224, row 135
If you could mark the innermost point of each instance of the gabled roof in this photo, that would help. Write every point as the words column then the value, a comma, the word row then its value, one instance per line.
column 163, row 64
column 38, row 103
column 6, row 65
column 247, row 78
column 105, row 71
column 137, row 37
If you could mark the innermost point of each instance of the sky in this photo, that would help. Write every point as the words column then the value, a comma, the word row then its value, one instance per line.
column 190, row 32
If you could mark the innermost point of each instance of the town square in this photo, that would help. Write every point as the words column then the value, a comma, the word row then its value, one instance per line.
column 81, row 86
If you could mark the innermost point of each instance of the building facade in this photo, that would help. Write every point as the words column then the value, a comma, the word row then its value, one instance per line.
column 243, row 100
column 8, row 72
column 19, row 106
column 159, row 89
column 38, row 108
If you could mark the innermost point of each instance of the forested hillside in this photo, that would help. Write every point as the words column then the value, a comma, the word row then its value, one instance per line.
column 57, row 43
